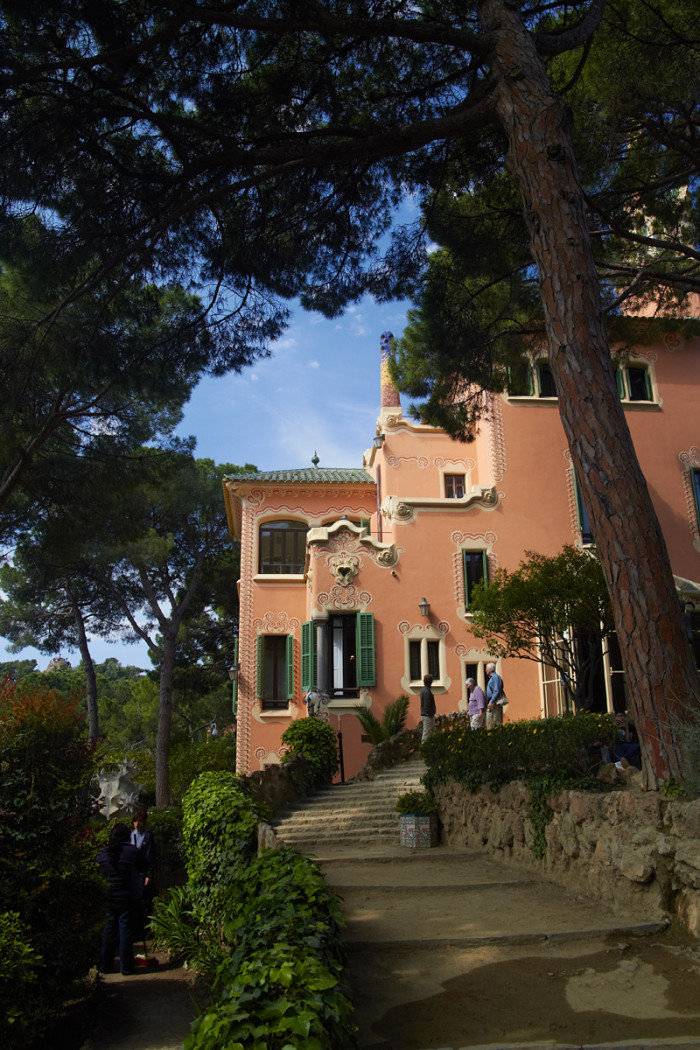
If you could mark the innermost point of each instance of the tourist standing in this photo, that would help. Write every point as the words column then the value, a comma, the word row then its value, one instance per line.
column 495, row 698
column 122, row 866
column 477, row 704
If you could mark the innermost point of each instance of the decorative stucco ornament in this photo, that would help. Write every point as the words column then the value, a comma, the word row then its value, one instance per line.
column 344, row 568
column 119, row 792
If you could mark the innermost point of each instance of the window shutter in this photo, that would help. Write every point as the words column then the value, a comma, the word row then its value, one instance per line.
column 260, row 667
column 620, row 380
column 308, row 656
column 484, row 566
column 365, row 649
column 290, row 667
column 365, row 523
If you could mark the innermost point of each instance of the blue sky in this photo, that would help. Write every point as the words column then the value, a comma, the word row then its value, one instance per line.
column 319, row 392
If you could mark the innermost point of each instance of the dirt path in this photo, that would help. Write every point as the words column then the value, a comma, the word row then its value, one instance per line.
column 151, row 1010
column 448, row 949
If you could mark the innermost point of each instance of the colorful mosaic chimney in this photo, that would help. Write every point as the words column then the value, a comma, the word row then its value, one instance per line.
column 390, row 395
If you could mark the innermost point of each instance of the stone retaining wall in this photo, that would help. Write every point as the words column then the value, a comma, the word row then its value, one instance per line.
column 629, row 848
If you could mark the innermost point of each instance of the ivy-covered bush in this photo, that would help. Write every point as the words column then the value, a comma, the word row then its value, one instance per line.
column 219, row 833
column 516, row 750
column 264, row 931
column 48, row 873
column 316, row 742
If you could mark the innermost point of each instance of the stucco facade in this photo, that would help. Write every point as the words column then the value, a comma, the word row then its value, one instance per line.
column 335, row 563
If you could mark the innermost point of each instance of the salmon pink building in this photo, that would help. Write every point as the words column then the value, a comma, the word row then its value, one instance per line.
column 358, row 581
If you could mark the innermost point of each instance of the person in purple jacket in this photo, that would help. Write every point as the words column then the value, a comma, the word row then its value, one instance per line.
column 122, row 866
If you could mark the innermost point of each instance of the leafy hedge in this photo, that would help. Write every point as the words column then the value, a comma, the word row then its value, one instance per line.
column 516, row 750
column 264, row 931
column 317, row 742
column 51, row 895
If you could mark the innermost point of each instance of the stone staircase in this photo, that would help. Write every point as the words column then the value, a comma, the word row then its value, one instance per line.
column 359, row 814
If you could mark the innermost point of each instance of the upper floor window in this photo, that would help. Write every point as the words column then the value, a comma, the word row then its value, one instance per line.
column 282, row 547
column 475, row 570
column 584, row 522
column 695, row 480
column 634, row 383
column 526, row 380
column 424, row 658
column 347, row 640
column 454, row 486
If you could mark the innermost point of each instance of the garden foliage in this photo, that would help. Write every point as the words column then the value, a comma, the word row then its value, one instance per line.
column 393, row 720
column 264, row 932
column 316, row 742
column 51, row 896
column 516, row 750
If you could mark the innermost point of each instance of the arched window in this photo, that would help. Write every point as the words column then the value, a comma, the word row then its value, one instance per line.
column 282, row 547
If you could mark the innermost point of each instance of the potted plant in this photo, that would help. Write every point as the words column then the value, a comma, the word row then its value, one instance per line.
column 418, row 821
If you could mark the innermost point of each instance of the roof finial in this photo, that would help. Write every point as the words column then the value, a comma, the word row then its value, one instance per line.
column 314, row 459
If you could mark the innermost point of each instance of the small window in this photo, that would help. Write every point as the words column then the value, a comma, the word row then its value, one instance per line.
column 695, row 481
column 454, row 486
column 545, row 380
column 525, row 380
column 275, row 667
column 424, row 658
column 519, row 380
column 475, row 569
column 282, row 547
column 634, row 383
column 584, row 523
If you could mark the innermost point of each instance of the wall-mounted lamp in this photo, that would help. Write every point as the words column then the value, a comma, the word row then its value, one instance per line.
column 234, row 672
column 424, row 607
column 379, row 440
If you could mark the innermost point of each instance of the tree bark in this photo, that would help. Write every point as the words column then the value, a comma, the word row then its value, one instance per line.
column 165, row 721
column 89, row 670
column 663, row 684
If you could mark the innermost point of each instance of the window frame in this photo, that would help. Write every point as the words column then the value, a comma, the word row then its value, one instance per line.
column 454, row 482
column 424, row 646
column 284, row 681
column 469, row 585
column 294, row 537
column 624, row 383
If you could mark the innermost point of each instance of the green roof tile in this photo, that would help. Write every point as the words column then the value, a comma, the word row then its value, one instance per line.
column 309, row 475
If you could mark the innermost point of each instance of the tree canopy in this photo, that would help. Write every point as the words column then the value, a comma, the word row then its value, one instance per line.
column 553, row 610
column 263, row 151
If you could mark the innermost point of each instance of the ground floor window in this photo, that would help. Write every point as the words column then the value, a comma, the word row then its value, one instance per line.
column 424, row 658
column 337, row 654
column 275, row 667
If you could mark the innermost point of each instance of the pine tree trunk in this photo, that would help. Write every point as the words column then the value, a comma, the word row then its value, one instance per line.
column 165, row 721
column 89, row 670
column 663, row 683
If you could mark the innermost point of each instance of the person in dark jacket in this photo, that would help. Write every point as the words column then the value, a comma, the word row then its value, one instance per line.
column 142, row 838
column 123, row 866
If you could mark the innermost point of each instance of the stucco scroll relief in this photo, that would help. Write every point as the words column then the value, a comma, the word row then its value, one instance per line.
column 347, row 597
column 342, row 551
column 280, row 623
column 690, row 461
column 406, row 628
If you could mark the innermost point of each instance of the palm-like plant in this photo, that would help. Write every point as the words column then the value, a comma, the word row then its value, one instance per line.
column 393, row 720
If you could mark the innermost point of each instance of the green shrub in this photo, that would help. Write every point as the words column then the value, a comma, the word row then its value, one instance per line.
column 316, row 742
column 20, row 996
column 417, row 803
column 219, row 833
column 514, row 751
column 265, row 932
column 393, row 720
column 48, row 874
column 281, row 986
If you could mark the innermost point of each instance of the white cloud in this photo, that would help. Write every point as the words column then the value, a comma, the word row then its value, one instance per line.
column 314, row 364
